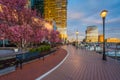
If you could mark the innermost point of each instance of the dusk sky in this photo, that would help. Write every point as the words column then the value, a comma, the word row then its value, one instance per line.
column 83, row 13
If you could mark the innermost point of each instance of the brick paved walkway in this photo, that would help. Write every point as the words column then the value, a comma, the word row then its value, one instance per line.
column 36, row 68
column 85, row 65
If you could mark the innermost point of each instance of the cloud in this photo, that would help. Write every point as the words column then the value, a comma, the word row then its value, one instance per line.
column 113, row 30
column 75, row 15
column 92, row 21
column 113, row 20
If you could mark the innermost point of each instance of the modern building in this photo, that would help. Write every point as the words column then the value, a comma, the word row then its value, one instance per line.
column 113, row 40
column 91, row 34
column 38, row 5
column 100, row 38
column 56, row 10
column 53, row 11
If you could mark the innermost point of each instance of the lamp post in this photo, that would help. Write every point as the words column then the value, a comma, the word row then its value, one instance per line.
column 103, row 15
column 77, row 37
column 3, row 39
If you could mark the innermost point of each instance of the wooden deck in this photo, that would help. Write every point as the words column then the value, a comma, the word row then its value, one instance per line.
column 86, row 65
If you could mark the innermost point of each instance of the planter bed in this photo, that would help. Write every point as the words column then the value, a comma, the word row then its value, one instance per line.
column 25, row 57
column 10, row 61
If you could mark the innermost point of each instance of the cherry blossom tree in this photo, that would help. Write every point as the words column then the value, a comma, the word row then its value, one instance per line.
column 39, row 35
column 20, row 35
column 14, row 12
column 9, row 9
column 15, row 15
column 54, row 37
column 3, row 30
column 22, row 25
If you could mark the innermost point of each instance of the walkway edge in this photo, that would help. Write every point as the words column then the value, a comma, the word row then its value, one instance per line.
column 41, row 77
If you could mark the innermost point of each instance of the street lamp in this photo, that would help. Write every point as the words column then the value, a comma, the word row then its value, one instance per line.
column 77, row 37
column 103, row 15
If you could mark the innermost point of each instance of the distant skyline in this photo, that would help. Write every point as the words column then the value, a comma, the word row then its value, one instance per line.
column 83, row 13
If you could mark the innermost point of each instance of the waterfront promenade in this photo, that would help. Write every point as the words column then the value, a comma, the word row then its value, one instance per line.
column 85, row 65
column 81, row 64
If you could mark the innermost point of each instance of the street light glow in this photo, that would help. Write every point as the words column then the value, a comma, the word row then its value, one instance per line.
column 103, row 14
column 77, row 32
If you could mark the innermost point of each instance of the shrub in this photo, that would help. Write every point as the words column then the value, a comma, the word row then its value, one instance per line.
column 39, row 49
column 48, row 47
column 42, row 48
column 33, row 50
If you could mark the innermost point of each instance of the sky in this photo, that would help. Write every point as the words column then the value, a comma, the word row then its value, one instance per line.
column 83, row 13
